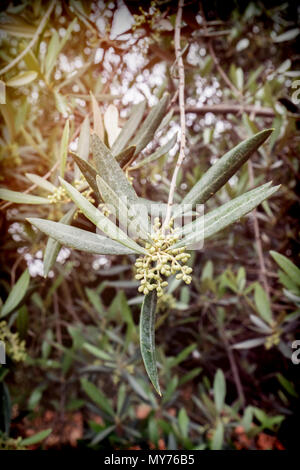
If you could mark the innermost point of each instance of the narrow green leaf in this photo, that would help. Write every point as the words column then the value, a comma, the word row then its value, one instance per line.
column 129, row 128
column 52, row 53
column 96, row 352
column 79, row 239
column 89, row 172
column 225, row 215
column 218, row 437
column 110, row 171
column 219, row 173
column 23, row 78
column 83, row 148
column 147, row 337
column 98, row 219
column 262, row 303
column 97, row 396
column 41, row 182
column 16, row 294
column 128, row 216
column 64, row 148
column 219, row 390
column 287, row 266
column 21, row 198
column 53, row 246
column 38, row 437
column 147, row 130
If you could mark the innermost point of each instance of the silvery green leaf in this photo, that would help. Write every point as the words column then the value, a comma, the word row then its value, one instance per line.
column 89, row 172
column 249, row 343
column 21, row 198
column 79, row 239
column 148, row 128
column 23, row 78
column 16, row 294
column 129, row 216
column 83, row 143
column 129, row 128
column 147, row 337
column 53, row 246
column 225, row 215
column 98, row 219
column 41, row 182
column 64, row 148
column 112, row 174
column 219, row 173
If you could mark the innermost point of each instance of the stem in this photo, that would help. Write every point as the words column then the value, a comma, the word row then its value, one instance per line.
column 32, row 42
column 181, row 155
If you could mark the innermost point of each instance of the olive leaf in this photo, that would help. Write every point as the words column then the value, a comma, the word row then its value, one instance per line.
column 219, row 173
column 53, row 246
column 216, row 220
column 147, row 337
column 79, row 239
column 98, row 219
column 128, row 216
column 129, row 128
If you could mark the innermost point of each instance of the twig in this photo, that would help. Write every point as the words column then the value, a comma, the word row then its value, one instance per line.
column 221, row 71
column 263, row 271
column 230, row 108
column 181, row 155
column 234, row 368
column 32, row 42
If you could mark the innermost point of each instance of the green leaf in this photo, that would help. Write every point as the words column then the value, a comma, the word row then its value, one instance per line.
column 16, row 294
column 287, row 35
column 110, row 171
column 129, row 128
column 249, row 343
column 23, row 78
column 53, row 246
column 147, row 130
column 183, row 422
column 41, row 182
column 224, row 169
column 159, row 152
column 287, row 266
column 38, row 437
column 128, row 216
column 219, row 390
column 98, row 219
column 287, row 385
column 225, row 215
column 55, row 47
column 21, row 198
column 218, row 437
column 80, row 239
column 83, row 142
column 89, row 172
column 262, row 303
column 97, row 396
column 96, row 352
column 147, row 337
column 64, row 148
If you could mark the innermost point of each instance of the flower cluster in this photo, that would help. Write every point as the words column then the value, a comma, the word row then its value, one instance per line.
column 162, row 261
column 15, row 348
column 272, row 340
column 58, row 196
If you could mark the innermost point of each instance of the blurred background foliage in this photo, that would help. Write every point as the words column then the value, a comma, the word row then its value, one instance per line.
column 74, row 375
